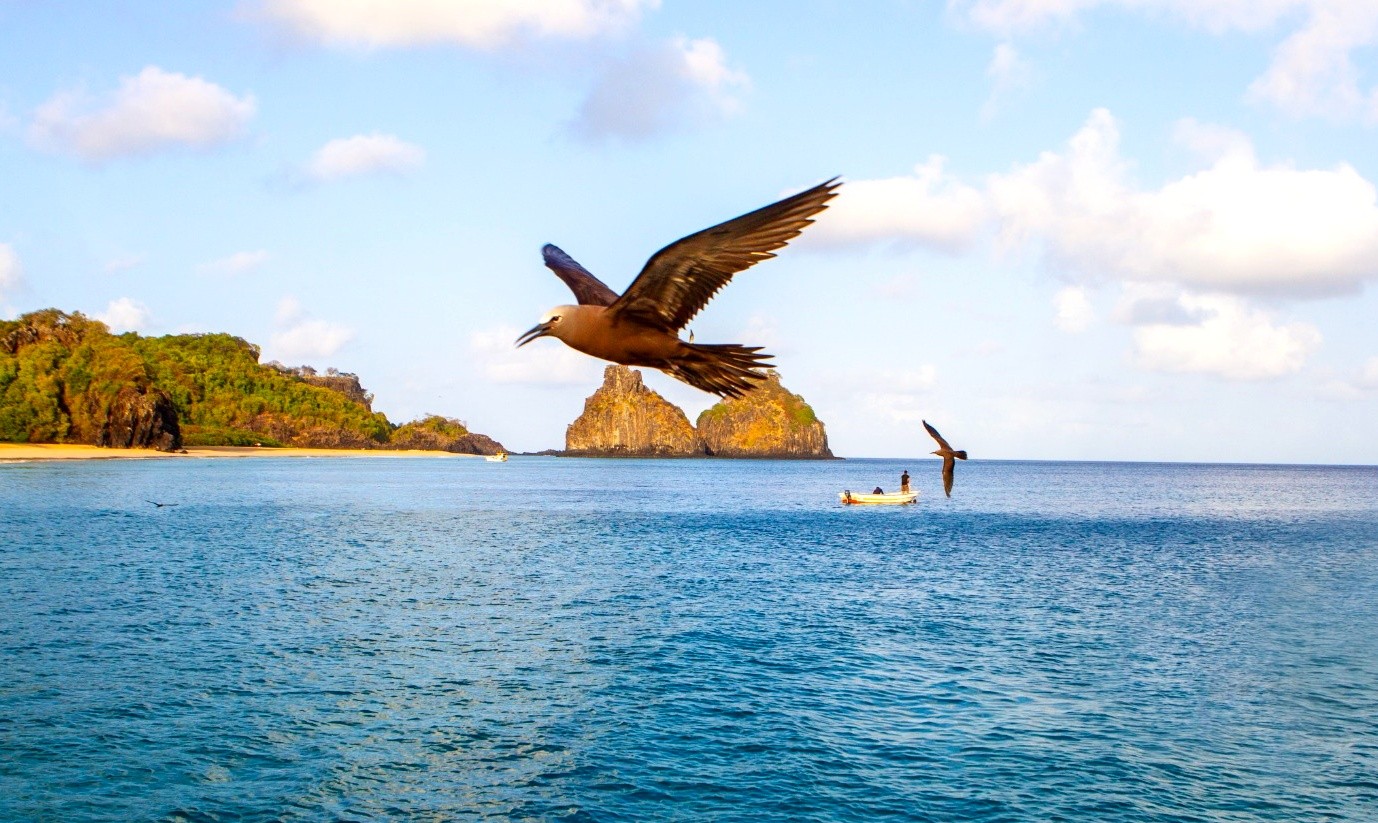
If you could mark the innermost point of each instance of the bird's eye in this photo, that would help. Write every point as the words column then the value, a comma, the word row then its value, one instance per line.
column 555, row 319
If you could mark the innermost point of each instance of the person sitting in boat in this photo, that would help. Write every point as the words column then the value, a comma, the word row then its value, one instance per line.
column 904, row 482
column 878, row 490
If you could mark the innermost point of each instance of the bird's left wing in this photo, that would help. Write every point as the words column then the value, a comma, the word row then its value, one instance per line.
column 936, row 436
column 588, row 290
column 681, row 278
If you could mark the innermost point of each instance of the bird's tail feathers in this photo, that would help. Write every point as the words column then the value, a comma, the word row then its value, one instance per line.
column 724, row 369
column 961, row 455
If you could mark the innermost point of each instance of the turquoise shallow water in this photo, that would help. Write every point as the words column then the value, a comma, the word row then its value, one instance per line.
column 547, row 639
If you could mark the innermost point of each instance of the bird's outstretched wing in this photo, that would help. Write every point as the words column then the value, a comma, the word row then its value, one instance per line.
column 681, row 278
column 939, row 438
column 948, row 464
column 588, row 290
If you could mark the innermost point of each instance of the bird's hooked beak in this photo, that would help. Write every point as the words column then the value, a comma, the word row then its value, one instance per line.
column 538, row 330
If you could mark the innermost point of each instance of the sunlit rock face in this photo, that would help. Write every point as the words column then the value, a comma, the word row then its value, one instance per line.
column 768, row 421
column 624, row 418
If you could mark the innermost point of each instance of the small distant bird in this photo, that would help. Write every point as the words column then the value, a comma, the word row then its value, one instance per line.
column 160, row 505
column 946, row 453
column 641, row 326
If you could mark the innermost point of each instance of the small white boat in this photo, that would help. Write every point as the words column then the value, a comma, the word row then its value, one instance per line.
column 889, row 498
column 500, row 457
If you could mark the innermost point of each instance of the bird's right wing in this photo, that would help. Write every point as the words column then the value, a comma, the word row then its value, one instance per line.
column 948, row 464
column 588, row 290
column 681, row 278
column 936, row 436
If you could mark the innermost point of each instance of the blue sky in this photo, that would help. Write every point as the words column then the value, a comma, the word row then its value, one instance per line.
column 1070, row 229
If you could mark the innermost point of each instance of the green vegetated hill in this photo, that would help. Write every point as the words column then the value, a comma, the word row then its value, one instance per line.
column 64, row 378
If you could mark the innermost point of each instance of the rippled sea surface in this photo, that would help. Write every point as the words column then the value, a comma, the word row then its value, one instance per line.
column 554, row 639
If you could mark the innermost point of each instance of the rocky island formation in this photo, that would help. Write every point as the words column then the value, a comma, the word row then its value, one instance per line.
column 624, row 418
column 445, row 434
column 64, row 378
column 769, row 421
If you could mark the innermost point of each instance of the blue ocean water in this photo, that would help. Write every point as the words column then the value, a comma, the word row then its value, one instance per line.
column 557, row 639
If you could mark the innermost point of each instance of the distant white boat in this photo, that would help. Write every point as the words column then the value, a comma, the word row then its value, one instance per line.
column 500, row 457
column 889, row 498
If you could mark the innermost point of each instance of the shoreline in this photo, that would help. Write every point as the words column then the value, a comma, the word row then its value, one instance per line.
column 32, row 452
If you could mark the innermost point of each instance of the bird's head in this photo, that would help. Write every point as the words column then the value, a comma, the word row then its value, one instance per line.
column 935, row 451
column 550, row 325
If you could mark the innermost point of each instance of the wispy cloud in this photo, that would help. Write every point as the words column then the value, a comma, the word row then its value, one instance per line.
column 364, row 154
column 125, row 263
column 542, row 363
column 1008, row 72
column 150, row 111
column 237, row 263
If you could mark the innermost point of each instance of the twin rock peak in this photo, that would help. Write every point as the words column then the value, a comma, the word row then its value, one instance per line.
column 625, row 418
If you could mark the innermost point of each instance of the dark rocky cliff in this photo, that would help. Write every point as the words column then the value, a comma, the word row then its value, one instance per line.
column 624, row 418
column 139, row 417
column 768, row 421
column 65, row 379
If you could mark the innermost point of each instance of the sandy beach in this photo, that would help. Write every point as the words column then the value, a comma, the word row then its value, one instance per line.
column 15, row 452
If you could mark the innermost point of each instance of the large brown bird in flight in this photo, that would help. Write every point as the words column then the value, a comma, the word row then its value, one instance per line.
column 641, row 326
column 947, row 454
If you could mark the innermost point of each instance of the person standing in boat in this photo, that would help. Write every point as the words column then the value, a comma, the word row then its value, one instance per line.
column 904, row 482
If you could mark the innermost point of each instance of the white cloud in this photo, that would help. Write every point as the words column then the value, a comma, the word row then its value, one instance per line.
column 476, row 24
column 364, row 154
column 1231, row 340
column 1237, row 226
column 1074, row 310
column 544, row 362
column 237, row 263
column 301, row 337
column 152, row 110
column 1312, row 71
column 671, row 85
column 125, row 314
column 930, row 207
